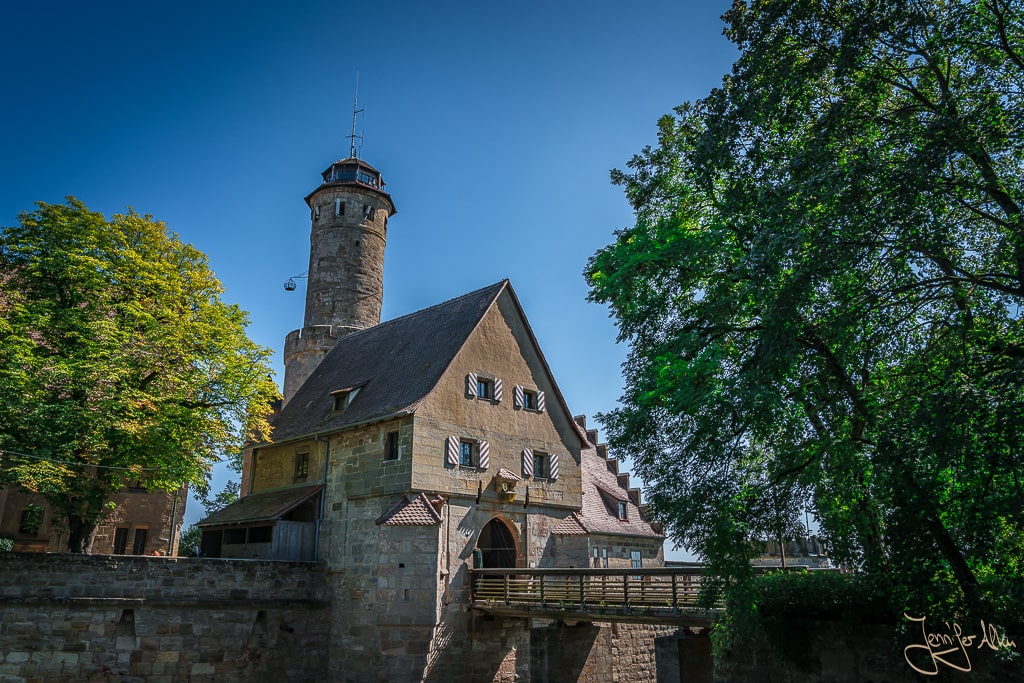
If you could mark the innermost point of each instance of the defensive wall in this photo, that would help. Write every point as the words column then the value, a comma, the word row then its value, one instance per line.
column 128, row 619
column 122, row 619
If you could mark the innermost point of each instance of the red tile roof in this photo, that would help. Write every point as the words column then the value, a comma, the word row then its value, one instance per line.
column 418, row 511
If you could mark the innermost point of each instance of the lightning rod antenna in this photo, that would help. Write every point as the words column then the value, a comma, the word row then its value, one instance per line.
column 352, row 151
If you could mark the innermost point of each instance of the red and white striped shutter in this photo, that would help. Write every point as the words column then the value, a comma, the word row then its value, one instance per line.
column 527, row 462
column 540, row 401
column 485, row 455
column 497, row 390
column 471, row 385
column 517, row 397
column 452, row 451
column 554, row 465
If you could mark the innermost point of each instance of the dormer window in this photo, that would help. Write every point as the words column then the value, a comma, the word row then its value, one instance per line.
column 343, row 398
column 623, row 510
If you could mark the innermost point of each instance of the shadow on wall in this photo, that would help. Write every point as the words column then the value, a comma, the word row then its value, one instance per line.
column 561, row 653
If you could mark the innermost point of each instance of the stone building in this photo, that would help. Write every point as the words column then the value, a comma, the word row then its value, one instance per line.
column 141, row 523
column 411, row 450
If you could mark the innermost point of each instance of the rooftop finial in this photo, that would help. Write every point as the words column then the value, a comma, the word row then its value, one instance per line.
column 352, row 151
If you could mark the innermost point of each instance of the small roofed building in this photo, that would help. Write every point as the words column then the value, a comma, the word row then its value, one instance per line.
column 278, row 524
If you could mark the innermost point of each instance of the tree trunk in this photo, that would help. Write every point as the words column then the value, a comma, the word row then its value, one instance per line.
column 81, row 535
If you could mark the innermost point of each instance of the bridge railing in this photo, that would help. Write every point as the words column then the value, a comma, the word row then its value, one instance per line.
column 664, row 588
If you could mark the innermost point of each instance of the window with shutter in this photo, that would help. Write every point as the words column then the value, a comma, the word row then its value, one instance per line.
column 518, row 397
column 498, row 391
column 553, row 466
column 527, row 462
column 471, row 385
column 452, row 451
column 485, row 455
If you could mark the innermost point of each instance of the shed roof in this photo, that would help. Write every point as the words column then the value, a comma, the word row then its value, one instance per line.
column 264, row 506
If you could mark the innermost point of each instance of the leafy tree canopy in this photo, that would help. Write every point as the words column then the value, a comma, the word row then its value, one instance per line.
column 823, row 292
column 118, row 362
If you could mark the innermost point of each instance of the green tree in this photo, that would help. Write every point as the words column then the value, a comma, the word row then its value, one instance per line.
column 823, row 291
column 118, row 362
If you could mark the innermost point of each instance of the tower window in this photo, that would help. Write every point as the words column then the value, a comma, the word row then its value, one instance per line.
column 339, row 207
column 368, row 211
column 316, row 212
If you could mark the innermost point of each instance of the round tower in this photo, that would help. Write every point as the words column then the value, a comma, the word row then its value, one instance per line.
column 345, row 289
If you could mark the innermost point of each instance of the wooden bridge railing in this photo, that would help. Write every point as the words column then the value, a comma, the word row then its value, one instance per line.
column 658, row 590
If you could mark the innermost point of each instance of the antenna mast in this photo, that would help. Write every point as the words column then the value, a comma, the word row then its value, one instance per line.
column 352, row 151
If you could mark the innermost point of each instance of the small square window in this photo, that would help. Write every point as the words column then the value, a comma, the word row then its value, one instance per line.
column 484, row 388
column 529, row 399
column 623, row 510
column 391, row 446
column 466, row 453
column 540, row 465
column 301, row 466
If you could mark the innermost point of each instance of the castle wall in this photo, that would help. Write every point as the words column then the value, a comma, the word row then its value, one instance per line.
column 73, row 618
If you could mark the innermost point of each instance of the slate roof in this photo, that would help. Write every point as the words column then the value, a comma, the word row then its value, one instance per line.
column 396, row 363
column 601, row 495
column 261, row 507
column 418, row 511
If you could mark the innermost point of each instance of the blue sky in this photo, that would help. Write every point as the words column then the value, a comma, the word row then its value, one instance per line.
column 494, row 124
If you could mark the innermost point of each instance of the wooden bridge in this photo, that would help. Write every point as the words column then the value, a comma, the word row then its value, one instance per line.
column 665, row 595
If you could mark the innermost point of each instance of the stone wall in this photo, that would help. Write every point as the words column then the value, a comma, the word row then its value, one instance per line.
column 592, row 653
column 72, row 618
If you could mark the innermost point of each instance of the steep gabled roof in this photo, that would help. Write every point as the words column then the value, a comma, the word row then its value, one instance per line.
column 394, row 364
column 602, row 493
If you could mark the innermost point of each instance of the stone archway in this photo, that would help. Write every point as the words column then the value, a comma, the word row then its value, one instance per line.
column 496, row 546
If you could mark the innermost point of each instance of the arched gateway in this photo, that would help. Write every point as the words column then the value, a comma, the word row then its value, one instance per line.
column 495, row 547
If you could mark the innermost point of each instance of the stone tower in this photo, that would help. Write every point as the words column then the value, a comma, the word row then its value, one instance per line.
column 349, row 214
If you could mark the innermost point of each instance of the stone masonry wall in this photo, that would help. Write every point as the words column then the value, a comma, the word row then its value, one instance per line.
column 72, row 618
column 595, row 653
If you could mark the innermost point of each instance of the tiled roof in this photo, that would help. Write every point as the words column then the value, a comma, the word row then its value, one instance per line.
column 570, row 526
column 507, row 475
column 396, row 364
column 418, row 511
column 261, row 507
column 601, row 495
